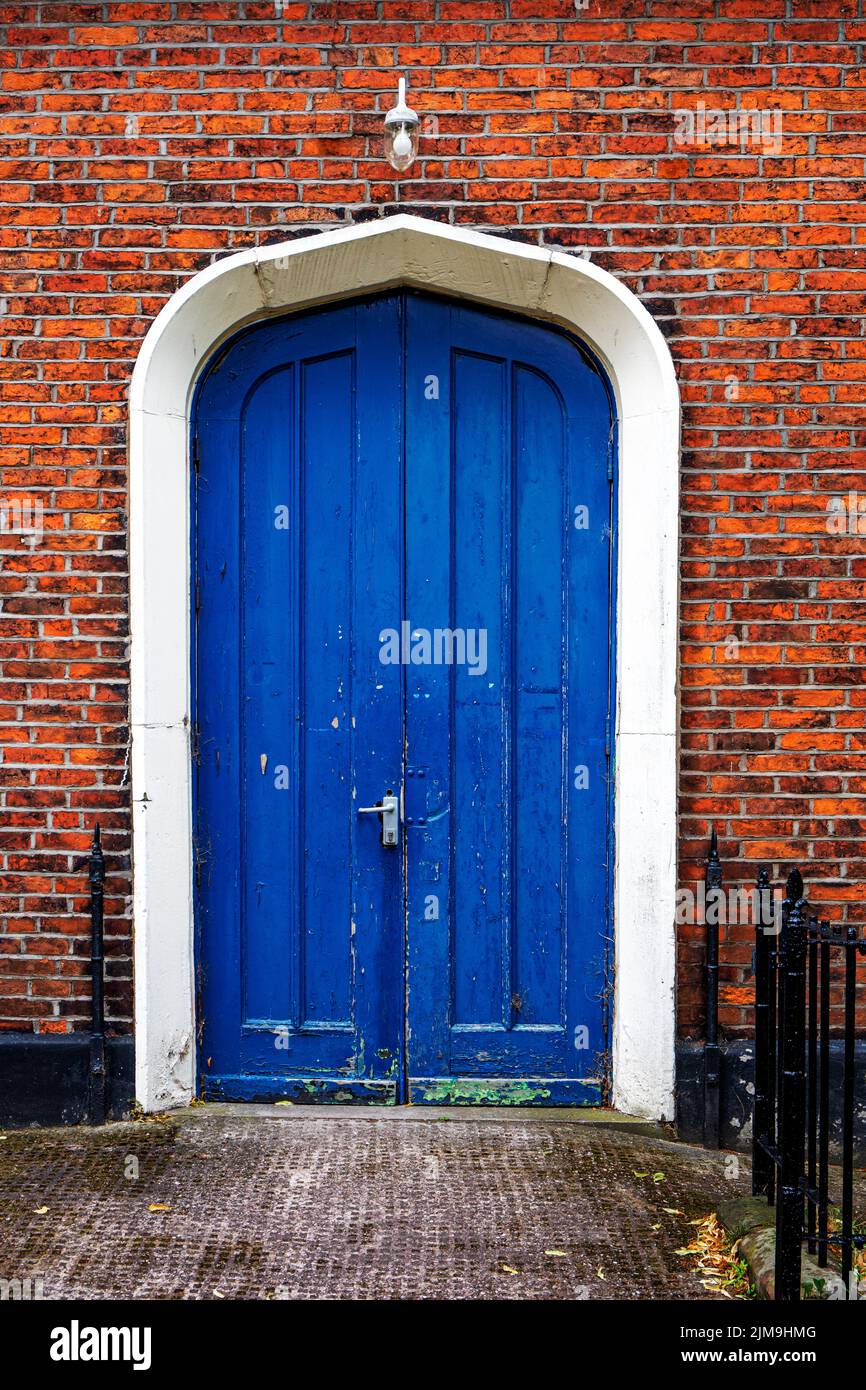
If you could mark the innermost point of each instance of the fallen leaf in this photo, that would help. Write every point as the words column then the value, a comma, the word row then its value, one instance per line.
column 658, row 1177
column 554, row 1252
column 217, row 1294
column 510, row 1270
column 41, row 1211
column 717, row 1266
column 673, row 1211
column 639, row 1175
column 601, row 1274
column 159, row 1206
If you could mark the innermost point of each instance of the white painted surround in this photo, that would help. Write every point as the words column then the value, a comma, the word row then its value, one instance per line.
column 550, row 286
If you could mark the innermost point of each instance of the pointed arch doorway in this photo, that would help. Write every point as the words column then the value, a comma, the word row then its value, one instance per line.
column 548, row 287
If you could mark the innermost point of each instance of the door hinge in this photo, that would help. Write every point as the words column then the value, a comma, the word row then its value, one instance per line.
column 195, row 744
column 196, row 453
column 197, row 597
column 607, row 737
column 609, row 466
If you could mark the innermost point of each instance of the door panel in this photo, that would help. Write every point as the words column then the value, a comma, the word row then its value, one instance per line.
column 506, row 777
column 402, row 464
column 298, row 521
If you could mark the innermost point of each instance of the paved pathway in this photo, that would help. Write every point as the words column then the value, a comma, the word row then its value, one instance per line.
column 295, row 1202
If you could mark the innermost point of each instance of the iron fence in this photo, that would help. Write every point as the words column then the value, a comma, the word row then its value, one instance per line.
column 805, row 972
column 712, row 1051
column 801, row 999
column 94, row 862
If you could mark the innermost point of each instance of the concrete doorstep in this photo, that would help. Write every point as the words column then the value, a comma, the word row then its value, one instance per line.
column 750, row 1221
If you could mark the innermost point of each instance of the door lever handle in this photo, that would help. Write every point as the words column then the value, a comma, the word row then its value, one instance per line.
column 389, row 811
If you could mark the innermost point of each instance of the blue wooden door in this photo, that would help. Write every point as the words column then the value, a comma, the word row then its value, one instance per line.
column 403, row 584
column 298, row 519
column 508, row 525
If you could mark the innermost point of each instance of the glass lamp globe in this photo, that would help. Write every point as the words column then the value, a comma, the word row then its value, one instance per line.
column 401, row 132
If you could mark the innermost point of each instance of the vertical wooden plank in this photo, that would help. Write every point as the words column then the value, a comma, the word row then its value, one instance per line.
column 429, row 772
column 328, row 434
column 537, row 787
column 377, row 692
column 479, row 543
column 269, row 861
column 217, row 773
column 590, row 528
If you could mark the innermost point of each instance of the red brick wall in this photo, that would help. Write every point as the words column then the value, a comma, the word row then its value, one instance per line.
column 138, row 141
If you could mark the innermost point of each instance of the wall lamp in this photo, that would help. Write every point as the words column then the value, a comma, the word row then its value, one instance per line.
column 402, row 127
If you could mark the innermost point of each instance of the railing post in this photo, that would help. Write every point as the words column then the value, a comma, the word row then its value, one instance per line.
column 792, row 1092
column 824, row 1094
column 764, row 925
column 712, row 1054
column 97, row 1080
column 812, row 1119
column 847, row 1204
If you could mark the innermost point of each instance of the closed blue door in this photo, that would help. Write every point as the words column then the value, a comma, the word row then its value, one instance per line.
column 403, row 588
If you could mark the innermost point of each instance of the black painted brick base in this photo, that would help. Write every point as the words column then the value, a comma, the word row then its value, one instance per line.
column 44, row 1079
column 737, row 1081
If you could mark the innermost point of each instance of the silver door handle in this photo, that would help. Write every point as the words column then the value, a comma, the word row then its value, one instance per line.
column 389, row 810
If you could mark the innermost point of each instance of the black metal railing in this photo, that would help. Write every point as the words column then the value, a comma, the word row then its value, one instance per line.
column 94, row 862
column 712, row 1051
column 799, row 993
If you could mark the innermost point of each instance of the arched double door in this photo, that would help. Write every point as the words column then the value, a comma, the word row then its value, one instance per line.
column 402, row 559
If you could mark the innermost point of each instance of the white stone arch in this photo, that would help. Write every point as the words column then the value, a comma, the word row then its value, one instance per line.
column 546, row 285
